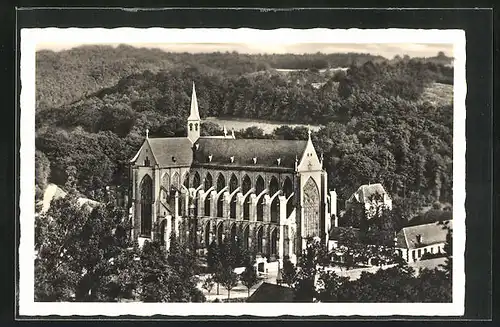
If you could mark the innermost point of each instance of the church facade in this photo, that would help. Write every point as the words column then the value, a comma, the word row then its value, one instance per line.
column 269, row 195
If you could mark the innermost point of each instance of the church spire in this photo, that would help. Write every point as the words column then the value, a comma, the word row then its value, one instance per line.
column 194, row 121
column 194, row 115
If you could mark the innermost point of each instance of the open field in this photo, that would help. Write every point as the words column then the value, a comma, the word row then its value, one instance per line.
column 240, row 123
column 439, row 94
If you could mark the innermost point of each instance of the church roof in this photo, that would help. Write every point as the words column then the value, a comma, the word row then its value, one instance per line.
column 414, row 237
column 267, row 152
column 364, row 193
column 172, row 151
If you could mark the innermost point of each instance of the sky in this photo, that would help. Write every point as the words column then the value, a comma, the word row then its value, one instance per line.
column 387, row 50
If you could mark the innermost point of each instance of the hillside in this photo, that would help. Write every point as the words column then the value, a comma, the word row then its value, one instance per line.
column 65, row 76
column 385, row 122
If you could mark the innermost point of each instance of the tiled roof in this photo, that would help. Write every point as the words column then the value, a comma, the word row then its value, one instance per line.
column 267, row 152
column 364, row 192
column 168, row 149
column 272, row 293
column 422, row 235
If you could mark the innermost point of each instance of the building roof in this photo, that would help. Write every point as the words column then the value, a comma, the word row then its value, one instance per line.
column 272, row 293
column 266, row 151
column 172, row 151
column 364, row 192
column 414, row 237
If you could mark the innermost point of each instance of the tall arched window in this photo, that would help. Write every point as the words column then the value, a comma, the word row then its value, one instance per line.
column 246, row 185
column 186, row 180
column 196, row 180
column 273, row 188
column 146, row 205
column 233, row 233
column 220, row 233
column 246, row 237
column 259, row 187
column 311, row 208
column 176, row 180
column 274, row 242
column 259, row 184
column 287, row 191
column 221, row 183
column 260, row 240
column 233, row 185
column 208, row 181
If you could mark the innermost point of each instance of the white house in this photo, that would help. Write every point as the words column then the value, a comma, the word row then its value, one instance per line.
column 414, row 241
column 371, row 196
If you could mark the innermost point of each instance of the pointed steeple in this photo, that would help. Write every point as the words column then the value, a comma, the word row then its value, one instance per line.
column 194, row 114
column 194, row 121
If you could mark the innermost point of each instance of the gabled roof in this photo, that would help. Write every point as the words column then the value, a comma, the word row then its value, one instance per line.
column 272, row 293
column 267, row 152
column 364, row 192
column 414, row 237
column 168, row 149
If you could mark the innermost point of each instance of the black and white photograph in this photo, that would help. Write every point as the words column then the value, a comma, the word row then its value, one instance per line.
column 218, row 170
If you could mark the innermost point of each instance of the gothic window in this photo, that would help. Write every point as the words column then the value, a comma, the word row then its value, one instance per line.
column 146, row 162
column 246, row 237
column 233, row 233
column 190, row 127
column 221, row 182
column 196, row 127
column 260, row 240
column 220, row 233
column 146, row 205
column 274, row 242
column 233, row 183
column 186, row 180
column 287, row 191
column 273, row 188
column 260, row 209
column 259, row 184
column 165, row 181
column 175, row 180
column 311, row 209
column 246, row 186
column 196, row 180
column 208, row 181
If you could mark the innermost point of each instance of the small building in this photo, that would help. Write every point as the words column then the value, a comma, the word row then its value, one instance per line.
column 414, row 241
column 370, row 196
column 337, row 232
column 267, row 292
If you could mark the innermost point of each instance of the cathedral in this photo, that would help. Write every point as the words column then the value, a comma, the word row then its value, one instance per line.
column 269, row 195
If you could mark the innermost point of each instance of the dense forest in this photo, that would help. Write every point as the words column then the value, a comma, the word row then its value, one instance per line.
column 94, row 104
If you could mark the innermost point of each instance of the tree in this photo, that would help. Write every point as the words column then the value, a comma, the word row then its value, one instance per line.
column 208, row 284
column 289, row 272
column 79, row 252
column 313, row 257
column 448, row 250
column 229, row 279
column 249, row 277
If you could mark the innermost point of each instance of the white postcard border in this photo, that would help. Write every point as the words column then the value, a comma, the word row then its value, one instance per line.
column 30, row 38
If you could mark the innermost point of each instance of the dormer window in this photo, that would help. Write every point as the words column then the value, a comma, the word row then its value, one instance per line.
column 197, row 146
column 231, row 159
column 210, row 158
column 174, row 159
column 254, row 159
column 419, row 239
column 278, row 161
column 146, row 162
